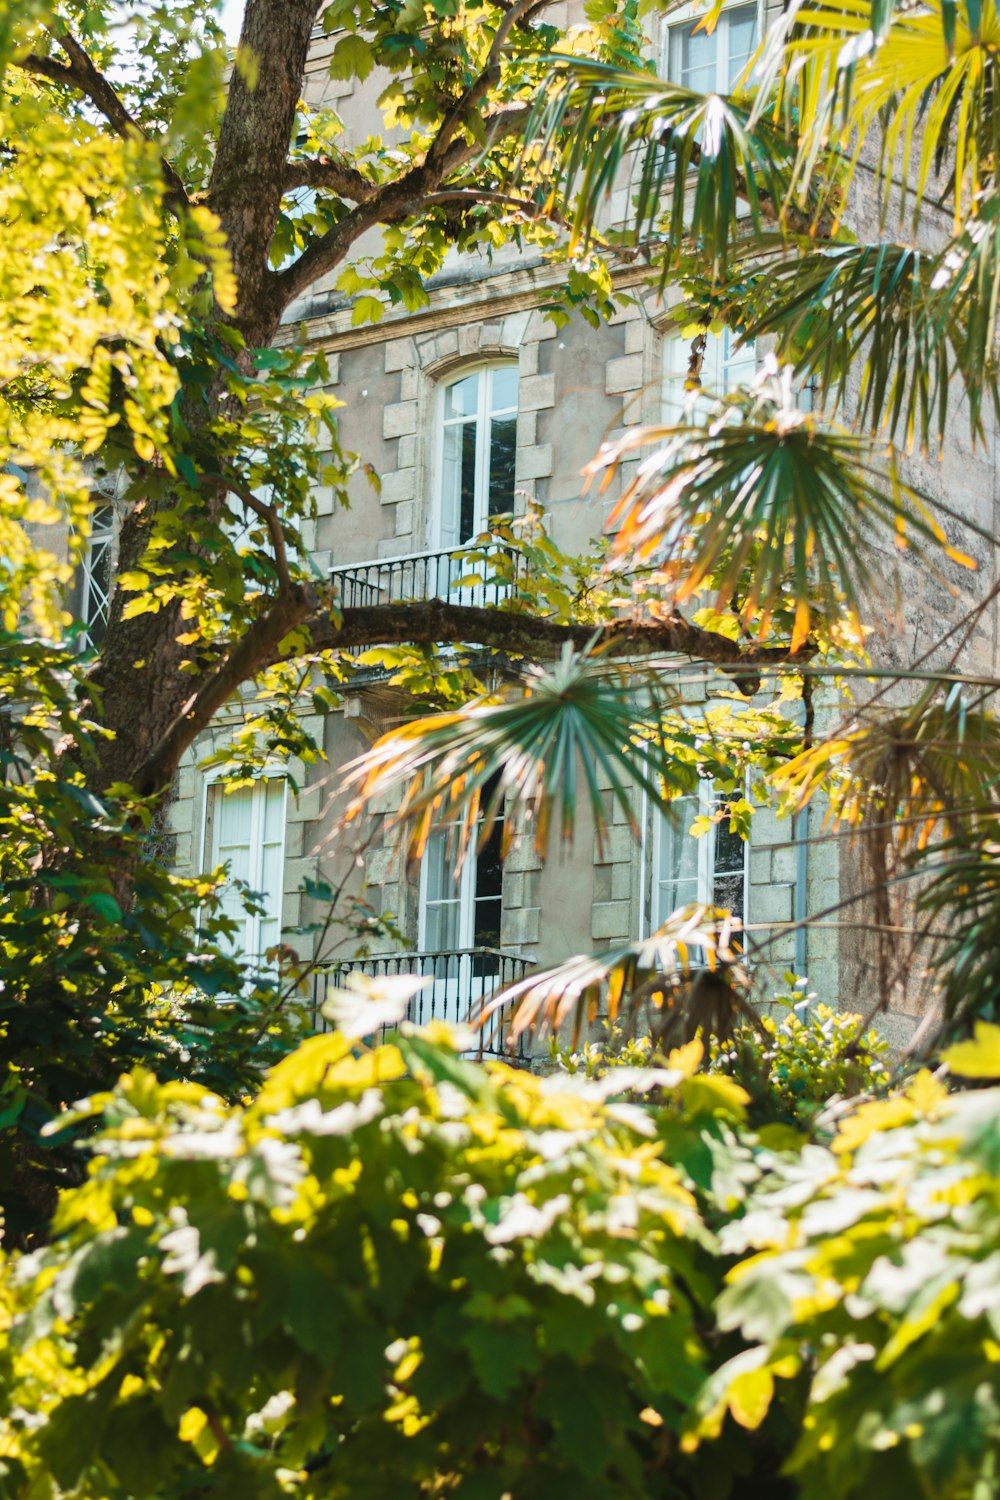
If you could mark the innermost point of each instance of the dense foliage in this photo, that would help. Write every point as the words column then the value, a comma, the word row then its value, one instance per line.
column 792, row 1061
column 396, row 1268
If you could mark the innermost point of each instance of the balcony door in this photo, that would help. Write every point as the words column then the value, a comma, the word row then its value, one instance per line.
column 477, row 454
column 460, row 921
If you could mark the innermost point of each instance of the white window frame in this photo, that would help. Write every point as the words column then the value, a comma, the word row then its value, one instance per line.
column 655, row 829
column 214, row 787
column 101, row 537
column 483, row 421
column 464, row 888
column 718, row 364
column 464, row 893
column 684, row 17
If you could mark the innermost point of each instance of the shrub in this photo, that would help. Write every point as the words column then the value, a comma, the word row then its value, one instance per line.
column 393, row 1272
column 792, row 1064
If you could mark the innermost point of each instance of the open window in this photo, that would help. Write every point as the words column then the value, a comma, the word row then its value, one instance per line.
column 684, row 870
column 477, row 448
column 463, row 912
column 245, row 831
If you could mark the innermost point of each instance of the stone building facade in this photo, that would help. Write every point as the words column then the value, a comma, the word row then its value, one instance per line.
column 479, row 402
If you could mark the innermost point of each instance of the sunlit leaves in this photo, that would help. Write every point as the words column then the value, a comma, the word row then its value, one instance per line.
column 925, row 104
column 931, row 768
column 867, row 1272
column 509, row 1251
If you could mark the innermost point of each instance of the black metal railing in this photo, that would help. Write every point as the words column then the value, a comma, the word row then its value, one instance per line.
column 461, row 981
column 429, row 575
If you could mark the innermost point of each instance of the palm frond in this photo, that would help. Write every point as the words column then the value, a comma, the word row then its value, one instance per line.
column 965, row 897
column 685, row 979
column 966, row 293
column 763, row 498
column 694, row 170
column 925, row 90
column 520, row 755
column 931, row 769
column 883, row 307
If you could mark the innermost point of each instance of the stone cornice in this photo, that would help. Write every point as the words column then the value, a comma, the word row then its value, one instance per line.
column 452, row 305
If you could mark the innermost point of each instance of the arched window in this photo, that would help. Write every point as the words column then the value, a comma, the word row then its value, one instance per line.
column 477, row 450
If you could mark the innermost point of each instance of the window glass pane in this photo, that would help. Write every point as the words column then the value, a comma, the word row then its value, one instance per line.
column 677, row 875
column 97, row 573
column 738, row 361
column 742, row 24
column 438, row 883
column 274, row 810
column 487, row 931
column 231, row 817
column 248, row 838
column 695, row 54
column 461, row 398
column 504, row 394
column 458, row 486
column 441, row 930
column 729, row 893
column 503, row 454
column 489, row 887
column 728, row 867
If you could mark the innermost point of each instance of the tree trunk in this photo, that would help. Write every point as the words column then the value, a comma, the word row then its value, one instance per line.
column 144, row 678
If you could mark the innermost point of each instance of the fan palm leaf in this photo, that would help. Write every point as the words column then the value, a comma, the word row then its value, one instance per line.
column 695, row 170
column 684, row 979
column 965, row 896
column 522, row 753
column 925, row 89
column 910, row 320
column 931, row 769
column 763, row 498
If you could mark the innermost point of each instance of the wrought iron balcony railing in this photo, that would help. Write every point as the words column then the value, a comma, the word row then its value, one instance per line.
column 427, row 575
column 460, row 982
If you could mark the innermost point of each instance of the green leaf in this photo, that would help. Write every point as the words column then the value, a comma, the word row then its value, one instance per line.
column 353, row 57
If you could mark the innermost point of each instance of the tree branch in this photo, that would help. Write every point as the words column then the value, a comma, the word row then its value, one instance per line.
column 481, row 85
column 272, row 521
column 259, row 648
column 324, row 172
column 436, row 621
column 391, row 201
column 81, row 74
